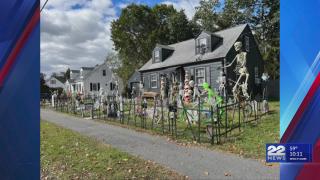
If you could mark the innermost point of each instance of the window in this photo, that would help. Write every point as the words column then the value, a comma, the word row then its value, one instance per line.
column 153, row 80
column 112, row 86
column 203, row 42
column 201, row 45
column 200, row 76
column 247, row 45
column 52, row 81
column 156, row 55
column 104, row 72
column 94, row 86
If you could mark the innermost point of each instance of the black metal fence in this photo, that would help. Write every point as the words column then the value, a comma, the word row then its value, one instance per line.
column 195, row 122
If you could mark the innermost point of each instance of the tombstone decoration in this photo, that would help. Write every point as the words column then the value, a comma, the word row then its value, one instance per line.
column 112, row 106
column 187, row 91
column 54, row 98
column 241, row 70
column 265, row 78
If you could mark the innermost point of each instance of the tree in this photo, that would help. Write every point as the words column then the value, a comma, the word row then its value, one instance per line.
column 263, row 17
column 140, row 27
column 67, row 74
column 206, row 15
column 43, row 87
column 113, row 61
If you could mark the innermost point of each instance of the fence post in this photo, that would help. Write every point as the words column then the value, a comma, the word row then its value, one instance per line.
column 154, row 112
column 239, row 116
column 199, row 124
column 212, row 123
column 162, row 123
column 92, row 116
column 134, row 113
column 218, row 122
column 226, row 123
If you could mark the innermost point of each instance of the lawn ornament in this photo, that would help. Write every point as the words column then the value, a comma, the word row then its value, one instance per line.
column 162, row 88
column 187, row 96
column 241, row 70
column 54, row 98
column 213, row 98
column 222, row 84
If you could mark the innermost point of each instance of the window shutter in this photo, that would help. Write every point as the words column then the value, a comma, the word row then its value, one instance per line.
column 207, row 74
column 191, row 71
column 90, row 86
column 98, row 86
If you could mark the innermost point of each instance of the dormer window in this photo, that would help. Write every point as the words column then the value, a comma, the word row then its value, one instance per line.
column 202, row 45
column 157, row 55
column 207, row 42
column 161, row 53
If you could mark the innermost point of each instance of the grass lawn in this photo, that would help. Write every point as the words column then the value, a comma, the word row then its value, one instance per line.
column 68, row 155
column 251, row 141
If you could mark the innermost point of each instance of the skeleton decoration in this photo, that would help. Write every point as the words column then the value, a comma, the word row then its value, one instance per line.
column 222, row 84
column 241, row 70
column 162, row 88
column 174, row 92
column 141, row 90
column 187, row 96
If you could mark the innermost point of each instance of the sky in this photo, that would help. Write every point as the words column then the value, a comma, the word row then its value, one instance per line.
column 76, row 33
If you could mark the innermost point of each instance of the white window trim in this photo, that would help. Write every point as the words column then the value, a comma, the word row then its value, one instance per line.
column 157, row 58
column 156, row 80
column 205, row 40
column 196, row 77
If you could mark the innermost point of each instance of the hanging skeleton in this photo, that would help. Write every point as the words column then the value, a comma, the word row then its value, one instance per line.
column 241, row 70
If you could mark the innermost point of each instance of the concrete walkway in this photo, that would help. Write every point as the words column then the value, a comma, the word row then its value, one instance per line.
column 194, row 162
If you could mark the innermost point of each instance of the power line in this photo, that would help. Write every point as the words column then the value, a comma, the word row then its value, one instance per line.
column 44, row 5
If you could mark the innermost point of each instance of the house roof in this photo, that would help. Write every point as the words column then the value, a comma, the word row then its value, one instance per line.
column 135, row 77
column 184, row 52
column 87, row 68
column 75, row 71
column 61, row 78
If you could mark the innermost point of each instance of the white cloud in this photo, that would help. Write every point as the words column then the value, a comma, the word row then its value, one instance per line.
column 187, row 5
column 75, row 33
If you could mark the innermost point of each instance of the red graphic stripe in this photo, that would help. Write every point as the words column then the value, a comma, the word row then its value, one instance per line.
column 19, row 45
column 299, row 113
column 311, row 170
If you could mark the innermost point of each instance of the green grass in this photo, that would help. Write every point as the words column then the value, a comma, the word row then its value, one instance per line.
column 69, row 155
column 251, row 141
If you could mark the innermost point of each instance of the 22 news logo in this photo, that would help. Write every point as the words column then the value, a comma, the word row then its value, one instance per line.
column 275, row 153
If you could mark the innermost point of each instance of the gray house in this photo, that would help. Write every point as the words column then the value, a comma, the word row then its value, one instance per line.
column 203, row 58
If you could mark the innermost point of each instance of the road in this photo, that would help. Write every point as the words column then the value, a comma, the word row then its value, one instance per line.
column 194, row 162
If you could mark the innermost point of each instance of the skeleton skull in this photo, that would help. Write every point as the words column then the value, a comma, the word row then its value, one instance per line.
column 238, row 46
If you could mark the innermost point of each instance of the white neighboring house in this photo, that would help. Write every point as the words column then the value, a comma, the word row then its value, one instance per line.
column 55, row 82
column 89, row 81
